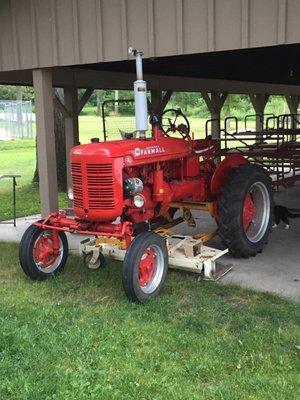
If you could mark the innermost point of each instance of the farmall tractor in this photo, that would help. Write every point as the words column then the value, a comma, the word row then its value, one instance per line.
column 124, row 190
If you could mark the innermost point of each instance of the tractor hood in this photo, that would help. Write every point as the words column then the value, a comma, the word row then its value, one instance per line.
column 137, row 150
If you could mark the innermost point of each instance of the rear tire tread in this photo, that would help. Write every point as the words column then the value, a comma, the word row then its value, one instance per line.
column 229, row 203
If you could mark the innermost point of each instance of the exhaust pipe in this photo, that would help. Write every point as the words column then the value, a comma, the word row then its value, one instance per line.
column 140, row 95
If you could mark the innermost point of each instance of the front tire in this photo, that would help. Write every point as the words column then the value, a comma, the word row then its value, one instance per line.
column 145, row 267
column 36, row 255
column 245, row 209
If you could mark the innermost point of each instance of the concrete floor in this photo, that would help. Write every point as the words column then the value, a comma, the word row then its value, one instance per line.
column 277, row 269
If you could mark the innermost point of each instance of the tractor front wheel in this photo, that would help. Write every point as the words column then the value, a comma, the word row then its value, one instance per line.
column 245, row 209
column 41, row 254
column 145, row 267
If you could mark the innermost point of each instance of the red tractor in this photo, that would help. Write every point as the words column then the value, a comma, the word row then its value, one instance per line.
column 124, row 189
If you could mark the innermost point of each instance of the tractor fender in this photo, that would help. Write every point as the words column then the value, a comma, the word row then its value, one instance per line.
column 223, row 170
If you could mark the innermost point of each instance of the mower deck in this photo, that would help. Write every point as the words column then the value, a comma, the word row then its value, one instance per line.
column 186, row 253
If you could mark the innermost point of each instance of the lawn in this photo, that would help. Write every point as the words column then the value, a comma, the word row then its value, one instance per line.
column 76, row 336
column 18, row 157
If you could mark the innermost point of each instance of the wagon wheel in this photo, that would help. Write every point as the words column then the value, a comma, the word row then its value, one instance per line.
column 175, row 121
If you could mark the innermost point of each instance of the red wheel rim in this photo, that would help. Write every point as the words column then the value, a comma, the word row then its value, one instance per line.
column 146, row 267
column 44, row 253
column 248, row 211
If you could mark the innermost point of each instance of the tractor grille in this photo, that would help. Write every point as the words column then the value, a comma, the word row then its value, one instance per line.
column 77, row 184
column 99, row 186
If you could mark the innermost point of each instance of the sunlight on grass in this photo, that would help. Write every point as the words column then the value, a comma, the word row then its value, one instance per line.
column 76, row 336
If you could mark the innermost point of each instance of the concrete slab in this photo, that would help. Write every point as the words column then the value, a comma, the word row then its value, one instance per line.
column 276, row 270
column 9, row 233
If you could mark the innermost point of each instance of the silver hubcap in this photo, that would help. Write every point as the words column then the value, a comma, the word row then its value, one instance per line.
column 158, row 269
column 261, row 216
column 48, row 269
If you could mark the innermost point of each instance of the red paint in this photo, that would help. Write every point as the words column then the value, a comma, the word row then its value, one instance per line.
column 59, row 222
column 171, row 169
column 46, row 248
column 223, row 170
column 146, row 267
column 248, row 211
column 158, row 184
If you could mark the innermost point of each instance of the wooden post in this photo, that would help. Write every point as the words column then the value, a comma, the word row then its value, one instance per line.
column 159, row 101
column 214, row 104
column 259, row 102
column 42, row 82
column 293, row 104
column 156, row 98
column 71, row 125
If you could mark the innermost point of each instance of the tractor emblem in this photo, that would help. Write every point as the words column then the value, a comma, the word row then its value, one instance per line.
column 148, row 151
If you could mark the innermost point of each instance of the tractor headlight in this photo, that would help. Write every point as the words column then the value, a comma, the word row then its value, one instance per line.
column 138, row 200
column 70, row 194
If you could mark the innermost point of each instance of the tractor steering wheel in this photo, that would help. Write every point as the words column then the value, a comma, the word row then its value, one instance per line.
column 173, row 120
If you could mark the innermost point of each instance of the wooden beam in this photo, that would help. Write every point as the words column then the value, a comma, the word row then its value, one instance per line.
column 293, row 103
column 84, row 98
column 71, row 125
column 215, row 102
column 43, row 93
column 158, row 101
column 155, row 103
column 259, row 102
column 62, row 108
column 81, row 78
column 166, row 99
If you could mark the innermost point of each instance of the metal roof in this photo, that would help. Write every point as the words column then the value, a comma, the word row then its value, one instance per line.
column 48, row 33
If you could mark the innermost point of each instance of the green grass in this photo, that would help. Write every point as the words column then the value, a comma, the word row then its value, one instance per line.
column 28, row 201
column 91, row 126
column 76, row 336
column 17, row 157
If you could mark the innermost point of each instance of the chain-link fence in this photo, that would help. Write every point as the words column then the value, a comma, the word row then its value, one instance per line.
column 118, row 119
column 16, row 119
column 117, row 116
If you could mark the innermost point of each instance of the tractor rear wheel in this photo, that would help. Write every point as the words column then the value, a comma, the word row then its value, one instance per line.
column 245, row 209
column 37, row 255
column 145, row 267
